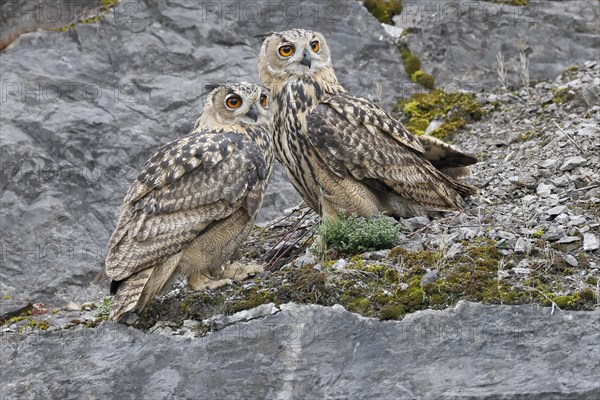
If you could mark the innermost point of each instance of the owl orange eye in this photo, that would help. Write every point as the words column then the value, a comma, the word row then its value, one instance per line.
column 233, row 102
column 286, row 50
column 314, row 45
column 264, row 101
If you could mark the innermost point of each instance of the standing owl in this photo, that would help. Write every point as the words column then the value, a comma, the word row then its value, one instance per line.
column 195, row 201
column 343, row 153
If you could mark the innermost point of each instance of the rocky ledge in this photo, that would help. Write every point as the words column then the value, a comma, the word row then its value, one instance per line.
column 295, row 351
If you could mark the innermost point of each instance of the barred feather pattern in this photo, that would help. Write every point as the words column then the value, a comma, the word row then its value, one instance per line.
column 343, row 153
column 192, row 205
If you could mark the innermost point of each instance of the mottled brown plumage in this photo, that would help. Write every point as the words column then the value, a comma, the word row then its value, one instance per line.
column 343, row 153
column 195, row 201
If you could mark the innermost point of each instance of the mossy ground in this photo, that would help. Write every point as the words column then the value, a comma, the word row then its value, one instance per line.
column 35, row 318
column 457, row 110
column 385, row 289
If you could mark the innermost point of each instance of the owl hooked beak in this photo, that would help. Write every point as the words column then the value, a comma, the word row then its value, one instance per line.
column 253, row 113
column 306, row 60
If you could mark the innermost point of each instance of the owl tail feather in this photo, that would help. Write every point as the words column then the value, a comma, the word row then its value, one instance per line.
column 463, row 189
column 128, row 293
column 447, row 158
column 136, row 292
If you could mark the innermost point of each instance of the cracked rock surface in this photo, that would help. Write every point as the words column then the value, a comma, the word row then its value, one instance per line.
column 312, row 352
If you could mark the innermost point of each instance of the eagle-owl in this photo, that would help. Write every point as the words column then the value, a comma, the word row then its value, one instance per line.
column 343, row 153
column 195, row 201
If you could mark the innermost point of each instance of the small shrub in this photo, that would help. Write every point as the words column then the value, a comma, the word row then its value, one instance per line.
column 384, row 10
column 356, row 234
column 412, row 64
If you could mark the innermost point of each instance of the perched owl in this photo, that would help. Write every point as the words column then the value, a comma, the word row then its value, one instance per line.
column 195, row 201
column 343, row 153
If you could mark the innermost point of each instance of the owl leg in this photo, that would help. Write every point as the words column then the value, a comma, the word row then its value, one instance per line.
column 328, row 214
column 205, row 261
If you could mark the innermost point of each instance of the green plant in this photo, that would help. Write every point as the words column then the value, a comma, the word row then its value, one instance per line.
column 412, row 64
column 355, row 234
column 104, row 307
column 457, row 109
column 384, row 10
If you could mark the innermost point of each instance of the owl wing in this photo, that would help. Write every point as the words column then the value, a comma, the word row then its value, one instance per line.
column 353, row 136
column 362, row 112
column 183, row 188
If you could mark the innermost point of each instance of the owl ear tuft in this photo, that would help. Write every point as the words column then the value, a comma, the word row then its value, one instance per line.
column 209, row 87
column 263, row 36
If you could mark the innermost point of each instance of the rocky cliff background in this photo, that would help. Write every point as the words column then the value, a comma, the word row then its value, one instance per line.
column 89, row 91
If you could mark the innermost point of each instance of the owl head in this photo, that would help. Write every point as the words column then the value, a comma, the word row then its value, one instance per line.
column 296, row 53
column 235, row 105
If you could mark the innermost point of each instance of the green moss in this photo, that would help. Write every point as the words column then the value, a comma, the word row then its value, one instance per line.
column 511, row 2
column 412, row 67
column 384, row 10
column 306, row 285
column 525, row 136
column 392, row 311
column 354, row 234
column 591, row 280
column 359, row 305
column 412, row 64
column 587, row 296
column 386, row 289
column 538, row 233
column 14, row 320
column 457, row 109
column 31, row 323
column 563, row 95
column 101, row 11
column 254, row 299
column 423, row 79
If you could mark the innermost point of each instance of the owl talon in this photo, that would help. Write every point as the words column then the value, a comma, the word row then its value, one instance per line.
column 215, row 284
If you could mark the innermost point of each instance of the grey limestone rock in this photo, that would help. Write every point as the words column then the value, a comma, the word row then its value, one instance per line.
column 312, row 352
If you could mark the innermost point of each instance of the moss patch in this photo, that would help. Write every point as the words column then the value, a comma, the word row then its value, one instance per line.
column 412, row 63
column 423, row 79
column 101, row 11
column 457, row 109
column 511, row 2
column 384, row 10
column 412, row 67
column 390, row 288
column 563, row 95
